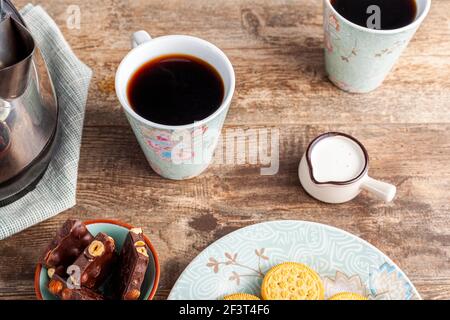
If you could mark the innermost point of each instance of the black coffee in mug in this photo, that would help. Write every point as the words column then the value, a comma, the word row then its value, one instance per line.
column 175, row 90
column 393, row 14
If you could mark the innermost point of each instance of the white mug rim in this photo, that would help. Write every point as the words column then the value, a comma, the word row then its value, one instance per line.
column 410, row 26
column 225, row 103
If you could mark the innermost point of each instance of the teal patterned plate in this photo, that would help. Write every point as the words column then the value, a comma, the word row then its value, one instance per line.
column 238, row 262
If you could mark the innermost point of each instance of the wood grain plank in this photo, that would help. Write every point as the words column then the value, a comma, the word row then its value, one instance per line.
column 276, row 48
column 182, row 218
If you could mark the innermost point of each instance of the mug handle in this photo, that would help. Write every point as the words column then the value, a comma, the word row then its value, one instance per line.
column 139, row 38
column 382, row 190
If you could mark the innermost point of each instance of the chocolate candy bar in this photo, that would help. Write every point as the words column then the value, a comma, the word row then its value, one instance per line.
column 93, row 266
column 133, row 263
column 56, row 285
column 80, row 294
column 69, row 242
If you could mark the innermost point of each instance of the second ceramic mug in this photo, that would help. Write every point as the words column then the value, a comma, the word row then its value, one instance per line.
column 176, row 152
column 358, row 59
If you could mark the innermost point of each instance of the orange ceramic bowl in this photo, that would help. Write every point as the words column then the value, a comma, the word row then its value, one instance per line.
column 118, row 231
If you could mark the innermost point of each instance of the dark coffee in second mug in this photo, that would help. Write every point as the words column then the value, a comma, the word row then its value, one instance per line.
column 394, row 14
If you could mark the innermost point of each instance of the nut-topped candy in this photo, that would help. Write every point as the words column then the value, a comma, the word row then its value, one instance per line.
column 134, row 259
column 56, row 285
column 59, row 287
column 68, row 243
column 95, row 264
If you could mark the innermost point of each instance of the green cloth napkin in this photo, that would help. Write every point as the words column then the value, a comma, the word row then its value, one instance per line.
column 56, row 191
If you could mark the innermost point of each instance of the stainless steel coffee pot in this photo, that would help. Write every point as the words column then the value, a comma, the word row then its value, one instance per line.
column 28, row 108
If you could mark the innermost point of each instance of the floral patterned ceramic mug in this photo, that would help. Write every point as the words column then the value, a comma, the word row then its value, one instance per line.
column 176, row 152
column 358, row 59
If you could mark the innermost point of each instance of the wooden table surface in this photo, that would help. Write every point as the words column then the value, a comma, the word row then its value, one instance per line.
column 276, row 49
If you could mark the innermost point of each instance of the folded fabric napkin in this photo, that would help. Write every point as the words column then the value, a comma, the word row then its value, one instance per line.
column 56, row 191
